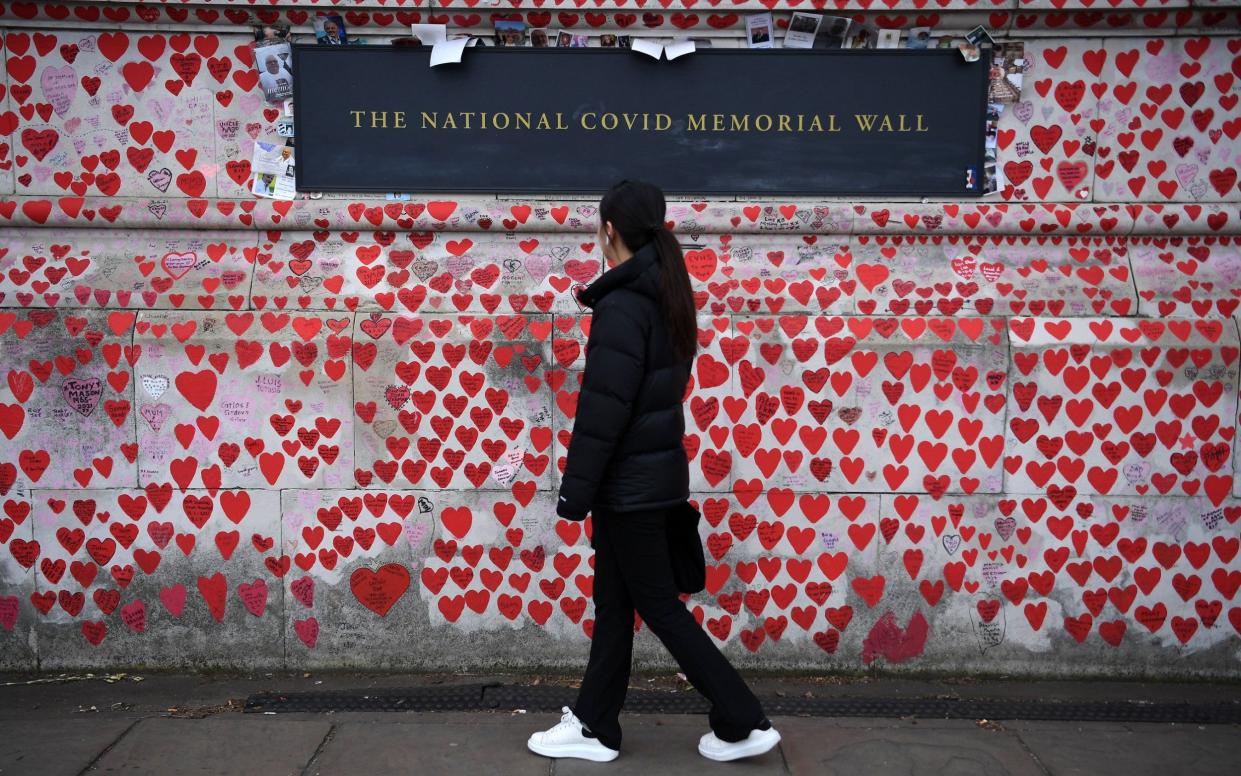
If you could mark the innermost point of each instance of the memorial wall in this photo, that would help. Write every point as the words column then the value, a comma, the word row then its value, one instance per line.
column 984, row 433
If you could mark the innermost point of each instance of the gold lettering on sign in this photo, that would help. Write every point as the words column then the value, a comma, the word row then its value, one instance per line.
column 379, row 119
column 761, row 122
column 646, row 122
column 874, row 122
column 484, row 120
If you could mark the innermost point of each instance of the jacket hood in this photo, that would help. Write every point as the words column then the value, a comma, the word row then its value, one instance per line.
column 639, row 273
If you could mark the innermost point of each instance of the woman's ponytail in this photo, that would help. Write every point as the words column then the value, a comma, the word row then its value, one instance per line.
column 637, row 210
column 676, row 295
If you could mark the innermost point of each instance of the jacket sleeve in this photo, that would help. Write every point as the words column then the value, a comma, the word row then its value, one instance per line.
column 615, row 356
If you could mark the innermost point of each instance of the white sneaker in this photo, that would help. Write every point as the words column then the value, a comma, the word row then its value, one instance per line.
column 758, row 742
column 566, row 740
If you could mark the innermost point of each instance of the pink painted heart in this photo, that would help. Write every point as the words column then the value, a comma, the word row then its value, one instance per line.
column 178, row 264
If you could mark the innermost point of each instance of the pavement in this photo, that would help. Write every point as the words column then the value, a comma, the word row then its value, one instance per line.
column 167, row 724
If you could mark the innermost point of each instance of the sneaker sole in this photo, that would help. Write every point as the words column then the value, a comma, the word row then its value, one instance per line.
column 584, row 753
column 752, row 749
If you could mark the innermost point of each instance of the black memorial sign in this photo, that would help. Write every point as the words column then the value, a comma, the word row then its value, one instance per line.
column 824, row 122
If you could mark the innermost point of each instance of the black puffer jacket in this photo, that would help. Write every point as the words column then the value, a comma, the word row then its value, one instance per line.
column 627, row 451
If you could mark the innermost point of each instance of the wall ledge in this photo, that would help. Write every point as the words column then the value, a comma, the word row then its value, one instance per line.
column 472, row 213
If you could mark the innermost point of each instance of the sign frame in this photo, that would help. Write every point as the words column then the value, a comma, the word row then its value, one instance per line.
column 420, row 56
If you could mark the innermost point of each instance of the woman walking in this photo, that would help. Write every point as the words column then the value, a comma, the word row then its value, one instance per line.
column 628, row 468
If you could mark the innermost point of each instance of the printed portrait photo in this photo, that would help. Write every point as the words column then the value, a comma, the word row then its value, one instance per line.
column 330, row 30
column 510, row 34
column 919, row 38
column 272, row 33
column 804, row 22
column 275, row 76
column 833, row 32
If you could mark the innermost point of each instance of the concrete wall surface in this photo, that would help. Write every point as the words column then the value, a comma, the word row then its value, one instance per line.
column 985, row 436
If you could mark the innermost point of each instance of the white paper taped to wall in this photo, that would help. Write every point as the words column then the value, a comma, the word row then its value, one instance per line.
column 652, row 48
column 449, row 50
column 429, row 34
column 443, row 50
column 678, row 48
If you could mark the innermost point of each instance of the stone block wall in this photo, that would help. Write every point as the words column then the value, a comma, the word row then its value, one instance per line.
column 986, row 436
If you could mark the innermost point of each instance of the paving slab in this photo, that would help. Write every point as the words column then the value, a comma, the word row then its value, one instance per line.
column 194, row 747
column 823, row 748
column 1071, row 748
column 452, row 748
column 56, row 746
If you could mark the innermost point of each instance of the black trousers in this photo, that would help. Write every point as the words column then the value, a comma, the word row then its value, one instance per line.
column 633, row 571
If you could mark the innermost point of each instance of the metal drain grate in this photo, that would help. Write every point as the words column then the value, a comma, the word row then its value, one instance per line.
column 457, row 697
column 550, row 698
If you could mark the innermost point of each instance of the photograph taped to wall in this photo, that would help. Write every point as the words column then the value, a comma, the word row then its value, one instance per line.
column 863, row 36
column 276, row 32
column 330, row 29
column 980, row 37
column 273, row 61
column 802, row 29
column 539, row 37
column 833, row 32
column 994, row 109
column 993, row 178
column 272, row 158
column 919, row 38
column 510, row 33
column 889, row 39
column 274, row 171
column 1008, row 65
column 758, row 31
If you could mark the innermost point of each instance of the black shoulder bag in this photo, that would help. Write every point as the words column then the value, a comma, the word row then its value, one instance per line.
column 689, row 565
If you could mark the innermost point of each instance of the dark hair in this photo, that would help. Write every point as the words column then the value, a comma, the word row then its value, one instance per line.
column 636, row 209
